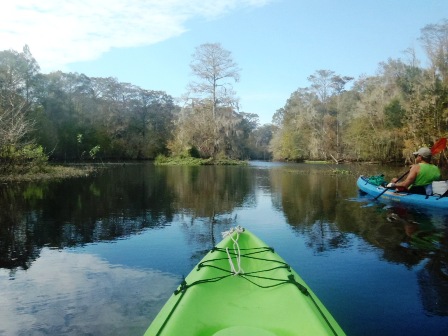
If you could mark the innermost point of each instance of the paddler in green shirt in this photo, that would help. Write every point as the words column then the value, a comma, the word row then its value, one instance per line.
column 421, row 175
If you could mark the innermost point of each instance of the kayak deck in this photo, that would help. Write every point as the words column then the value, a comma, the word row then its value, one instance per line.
column 243, row 288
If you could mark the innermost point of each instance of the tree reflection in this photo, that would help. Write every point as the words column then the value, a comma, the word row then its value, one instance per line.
column 426, row 238
column 205, row 201
column 312, row 202
column 433, row 283
column 206, row 192
column 119, row 202
column 316, row 206
column 16, row 250
column 207, row 197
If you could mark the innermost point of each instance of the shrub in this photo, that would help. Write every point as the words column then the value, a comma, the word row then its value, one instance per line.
column 29, row 158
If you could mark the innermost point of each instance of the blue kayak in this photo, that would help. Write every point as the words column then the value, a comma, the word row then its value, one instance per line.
column 405, row 198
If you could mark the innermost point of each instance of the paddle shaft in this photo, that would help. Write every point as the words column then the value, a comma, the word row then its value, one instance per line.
column 386, row 188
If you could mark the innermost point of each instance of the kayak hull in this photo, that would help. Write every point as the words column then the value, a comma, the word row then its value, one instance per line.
column 267, row 297
column 405, row 198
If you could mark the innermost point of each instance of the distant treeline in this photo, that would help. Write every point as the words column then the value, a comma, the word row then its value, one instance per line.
column 384, row 117
column 72, row 117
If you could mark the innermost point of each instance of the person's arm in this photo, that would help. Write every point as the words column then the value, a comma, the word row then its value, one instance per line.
column 411, row 177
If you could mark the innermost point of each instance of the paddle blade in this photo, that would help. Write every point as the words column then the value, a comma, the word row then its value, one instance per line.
column 439, row 146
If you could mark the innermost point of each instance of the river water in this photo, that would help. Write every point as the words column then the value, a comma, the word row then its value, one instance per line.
column 100, row 255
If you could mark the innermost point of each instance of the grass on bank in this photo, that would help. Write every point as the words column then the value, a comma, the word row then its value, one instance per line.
column 163, row 160
column 52, row 172
column 317, row 161
column 21, row 163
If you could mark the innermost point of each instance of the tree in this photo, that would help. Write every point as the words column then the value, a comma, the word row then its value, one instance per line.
column 152, row 122
column 210, row 120
column 327, row 87
column 321, row 84
column 259, row 141
column 213, row 67
column 31, row 70
column 17, row 76
column 338, row 84
column 434, row 38
column 295, row 136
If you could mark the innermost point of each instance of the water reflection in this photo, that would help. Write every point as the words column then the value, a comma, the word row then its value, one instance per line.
column 307, row 210
column 121, row 202
column 426, row 240
column 433, row 283
column 65, row 293
column 418, row 239
column 314, row 204
column 209, row 191
column 76, row 212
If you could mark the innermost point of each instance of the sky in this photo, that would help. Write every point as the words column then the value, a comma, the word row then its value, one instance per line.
column 277, row 44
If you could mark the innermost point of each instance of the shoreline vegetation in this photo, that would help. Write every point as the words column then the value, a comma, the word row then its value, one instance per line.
column 62, row 171
column 80, row 170
column 52, row 172
column 162, row 160
column 59, row 171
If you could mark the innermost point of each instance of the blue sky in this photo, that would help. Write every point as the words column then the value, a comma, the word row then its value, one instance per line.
column 276, row 43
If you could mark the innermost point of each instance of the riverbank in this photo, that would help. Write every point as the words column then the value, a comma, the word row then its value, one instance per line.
column 52, row 172
column 162, row 160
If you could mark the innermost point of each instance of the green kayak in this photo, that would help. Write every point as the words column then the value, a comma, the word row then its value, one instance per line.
column 242, row 287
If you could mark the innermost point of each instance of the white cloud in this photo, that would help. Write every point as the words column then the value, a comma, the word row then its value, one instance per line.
column 59, row 32
column 65, row 293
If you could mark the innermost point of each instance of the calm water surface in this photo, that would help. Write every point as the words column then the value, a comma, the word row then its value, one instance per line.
column 100, row 255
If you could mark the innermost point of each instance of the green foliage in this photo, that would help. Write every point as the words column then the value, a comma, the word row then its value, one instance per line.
column 78, row 113
column 394, row 114
column 258, row 142
column 94, row 151
column 340, row 172
column 29, row 158
column 162, row 160
column 194, row 152
column 382, row 118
